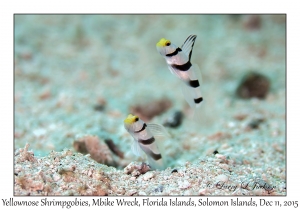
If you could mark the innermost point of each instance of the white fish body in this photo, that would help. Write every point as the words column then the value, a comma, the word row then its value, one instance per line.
column 178, row 61
column 145, row 141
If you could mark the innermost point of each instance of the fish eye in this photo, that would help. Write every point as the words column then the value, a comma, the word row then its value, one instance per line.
column 136, row 119
column 168, row 43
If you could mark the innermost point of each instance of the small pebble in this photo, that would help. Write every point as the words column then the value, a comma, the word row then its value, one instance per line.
column 99, row 107
column 184, row 185
column 219, row 156
column 65, row 169
column 80, row 147
column 144, row 168
column 252, row 22
column 174, row 120
column 160, row 188
column 131, row 192
column 174, row 170
column 253, row 85
column 90, row 173
column 231, row 124
column 200, row 180
column 254, row 124
column 222, row 178
column 151, row 109
column 224, row 166
column 135, row 169
column 215, row 152
column 45, row 95
column 258, row 192
column 148, row 176
column 264, row 185
column 133, row 178
column 203, row 191
column 188, row 192
column 56, row 177
column 240, row 116
column 142, row 193
column 282, row 187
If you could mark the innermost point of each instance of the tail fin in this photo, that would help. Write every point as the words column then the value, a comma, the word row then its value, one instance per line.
column 198, row 115
column 156, row 164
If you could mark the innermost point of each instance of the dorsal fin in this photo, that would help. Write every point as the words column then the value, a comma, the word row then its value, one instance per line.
column 188, row 44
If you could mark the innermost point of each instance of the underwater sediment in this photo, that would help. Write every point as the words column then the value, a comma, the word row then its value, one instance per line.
column 71, row 101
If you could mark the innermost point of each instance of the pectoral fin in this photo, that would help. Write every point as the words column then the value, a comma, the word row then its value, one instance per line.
column 136, row 149
column 158, row 130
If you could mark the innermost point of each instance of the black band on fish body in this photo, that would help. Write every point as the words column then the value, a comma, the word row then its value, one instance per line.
column 198, row 100
column 174, row 53
column 155, row 156
column 194, row 83
column 147, row 141
column 150, row 153
column 183, row 67
column 143, row 128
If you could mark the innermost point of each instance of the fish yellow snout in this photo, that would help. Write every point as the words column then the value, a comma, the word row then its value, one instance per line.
column 130, row 119
column 163, row 42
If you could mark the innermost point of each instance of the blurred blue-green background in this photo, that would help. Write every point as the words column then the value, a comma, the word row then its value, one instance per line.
column 67, row 64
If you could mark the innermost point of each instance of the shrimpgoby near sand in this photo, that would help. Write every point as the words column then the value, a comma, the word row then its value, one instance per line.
column 145, row 140
column 179, row 63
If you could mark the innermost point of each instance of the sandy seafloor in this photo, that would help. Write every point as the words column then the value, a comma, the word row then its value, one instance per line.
column 66, row 65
